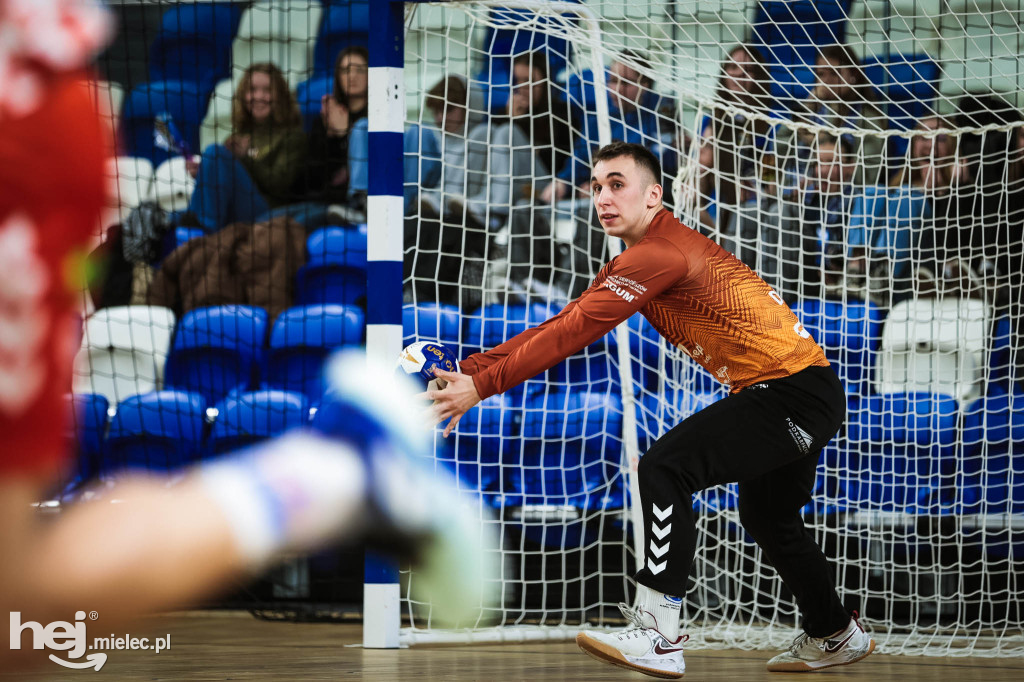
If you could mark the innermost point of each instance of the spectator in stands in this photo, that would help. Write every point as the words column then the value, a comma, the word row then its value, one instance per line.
column 818, row 258
column 435, row 149
column 540, row 114
column 446, row 251
column 935, row 166
column 799, row 245
column 637, row 114
column 990, row 211
column 327, row 173
column 842, row 97
column 510, row 153
column 698, row 187
column 933, row 185
column 740, row 184
column 887, row 226
column 254, row 169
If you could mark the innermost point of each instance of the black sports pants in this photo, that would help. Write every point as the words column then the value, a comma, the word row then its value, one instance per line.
column 768, row 438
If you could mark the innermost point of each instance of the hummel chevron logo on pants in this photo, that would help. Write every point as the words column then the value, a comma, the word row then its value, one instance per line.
column 659, row 539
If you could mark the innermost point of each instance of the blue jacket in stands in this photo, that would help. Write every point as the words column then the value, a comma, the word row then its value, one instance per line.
column 651, row 124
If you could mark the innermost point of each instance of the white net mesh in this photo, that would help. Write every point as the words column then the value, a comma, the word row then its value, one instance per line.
column 867, row 160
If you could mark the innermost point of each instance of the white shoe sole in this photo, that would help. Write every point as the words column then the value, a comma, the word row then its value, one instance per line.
column 609, row 654
column 804, row 667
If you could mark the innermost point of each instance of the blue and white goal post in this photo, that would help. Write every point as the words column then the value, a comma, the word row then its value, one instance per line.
column 480, row 226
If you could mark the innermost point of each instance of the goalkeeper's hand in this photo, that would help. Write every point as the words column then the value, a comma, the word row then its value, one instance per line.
column 454, row 400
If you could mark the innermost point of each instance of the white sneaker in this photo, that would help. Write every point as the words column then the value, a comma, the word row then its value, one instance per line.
column 810, row 653
column 640, row 647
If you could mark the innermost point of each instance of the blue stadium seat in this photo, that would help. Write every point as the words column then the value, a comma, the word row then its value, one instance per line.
column 485, row 437
column 183, row 235
column 908, row 448
column 495, row 323
column 246, row 418
column 217, row 350
column 341, row 25
column 788, row 33
column 908, row 83
column 993, row 442
column 336, row 242
column 645, row 348
column 194, row 43
column 336, row 269
column 656, row 414
column 502, row 45
column 195, row 59
column 431, row 321
column 597, row 365
column 1001, row 365
column 302, row 337
column 849, row 333
column 572, row 449
column 580, row 94
column 309, row 93
column 86, row 437
column 790, row 85
column 219, row 19
column 160, row 431
column 791, row 31
column 839, row 464
column 184, row 101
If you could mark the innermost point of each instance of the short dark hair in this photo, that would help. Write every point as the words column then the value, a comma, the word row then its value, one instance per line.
column 535, row 61
column 641, row 155
column 842, row 144
column 630, row 56
column 447, row 92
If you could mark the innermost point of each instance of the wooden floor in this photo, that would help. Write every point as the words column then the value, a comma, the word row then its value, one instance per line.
column 235, row 646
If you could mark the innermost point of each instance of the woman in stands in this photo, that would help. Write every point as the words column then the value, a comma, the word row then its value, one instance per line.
column 435, row 186
column 329, row 170
column 253, row 171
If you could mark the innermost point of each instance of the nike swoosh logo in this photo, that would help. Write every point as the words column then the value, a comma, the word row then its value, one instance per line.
column 832, row 649
column 658, row 649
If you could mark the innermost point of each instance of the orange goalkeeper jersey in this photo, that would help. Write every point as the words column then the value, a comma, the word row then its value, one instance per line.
column 694, row 293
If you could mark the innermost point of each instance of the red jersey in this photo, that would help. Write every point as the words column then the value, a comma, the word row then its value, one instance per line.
column 52, row 190
column 696, row 294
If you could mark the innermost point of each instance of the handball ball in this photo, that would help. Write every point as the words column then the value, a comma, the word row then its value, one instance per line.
column 419, row 359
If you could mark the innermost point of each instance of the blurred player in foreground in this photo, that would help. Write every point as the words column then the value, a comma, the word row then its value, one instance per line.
column 784, row 396
column 165, row 545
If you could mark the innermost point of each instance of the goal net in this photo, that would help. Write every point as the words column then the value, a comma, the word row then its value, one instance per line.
column 867, row 160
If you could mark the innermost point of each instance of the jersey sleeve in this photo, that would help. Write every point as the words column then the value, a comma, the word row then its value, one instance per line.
column 478, row 362
column 625, row 286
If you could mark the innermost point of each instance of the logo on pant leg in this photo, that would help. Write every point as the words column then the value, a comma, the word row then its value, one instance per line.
column 660, row 533
column 802, row 439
